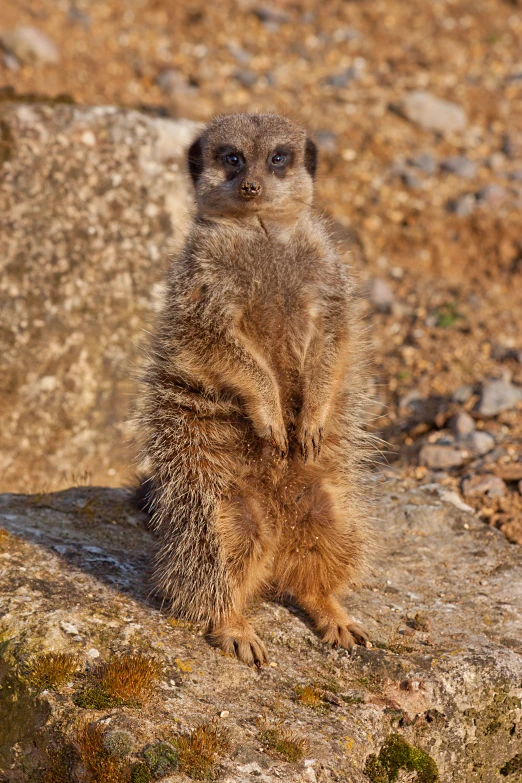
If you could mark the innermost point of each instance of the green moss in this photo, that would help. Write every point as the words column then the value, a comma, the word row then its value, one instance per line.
column 140, row 773
column 512, row 766
column 161, row 759
column 493, row 727
column 118, row 743
column 95, row 699
column 395, row 755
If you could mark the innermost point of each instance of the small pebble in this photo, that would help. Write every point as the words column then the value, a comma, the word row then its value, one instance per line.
column 342, row 79
column 492, row 195
column 463, row 206
column 271, row 15
column 224, row 714
column 462, row 394
column 246, row 77
column 440, row 457
column 477, row 443
column 432, row 113
column 475, row 486
column 327, row 141
column 68, row 627
column 10, row 62
column 425, row 162
column 462, row 424
column 31, row 46
column 459, row 165
column 497, row 396
column 381, row 295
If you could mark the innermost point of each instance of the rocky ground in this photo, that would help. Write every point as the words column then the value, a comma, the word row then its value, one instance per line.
column 437, row 697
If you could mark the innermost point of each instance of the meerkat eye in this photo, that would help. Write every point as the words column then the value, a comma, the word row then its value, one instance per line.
column 278, row 159
column 232, row 159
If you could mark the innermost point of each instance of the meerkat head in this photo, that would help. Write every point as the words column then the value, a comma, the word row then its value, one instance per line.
column 253, row 164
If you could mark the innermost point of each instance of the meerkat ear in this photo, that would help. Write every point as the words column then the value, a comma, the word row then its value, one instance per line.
column 195, row 159
column 311, row 157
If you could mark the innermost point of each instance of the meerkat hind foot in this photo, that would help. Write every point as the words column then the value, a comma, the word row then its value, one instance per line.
column 240, row 639
column 343, row 634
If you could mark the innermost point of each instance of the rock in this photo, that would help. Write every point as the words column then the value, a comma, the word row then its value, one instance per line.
column 516, row 175
column 463, row 206
column 271, row 16
column 459, row 165
column 246, row 77
column 462, row 394
column 30, row 46
column 439, row 457
column 475, row 486
column 497, row 396
column 496, row 161
column 342, row 79
column 424, row 161
column 462, row 424
column 173, row 82
column 509, row 146
column 327, row 141
column 10, row 62
column 510, row 471
column 432, row 113
column 492, row 195
column 476, row 443
column 239, row 54
column 77, row 16
column 106, row 198
column 451, row 688
column 410, row 179
column 381, row 295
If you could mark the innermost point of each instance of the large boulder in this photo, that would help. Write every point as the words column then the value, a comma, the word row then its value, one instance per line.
column 438, row 698
column 92, row 200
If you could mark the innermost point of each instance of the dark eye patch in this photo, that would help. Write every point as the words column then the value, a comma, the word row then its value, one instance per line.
column 231, row 159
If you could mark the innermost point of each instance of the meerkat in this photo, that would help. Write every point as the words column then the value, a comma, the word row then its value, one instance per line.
column 254, row 397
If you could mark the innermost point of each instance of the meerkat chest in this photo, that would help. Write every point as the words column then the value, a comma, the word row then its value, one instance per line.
column 281, row 310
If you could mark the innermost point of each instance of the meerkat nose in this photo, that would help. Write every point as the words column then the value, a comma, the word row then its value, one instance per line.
column 250, row 189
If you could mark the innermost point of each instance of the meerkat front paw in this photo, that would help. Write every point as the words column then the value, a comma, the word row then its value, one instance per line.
column 309, row 435
column 275, row 433
column 242, row 641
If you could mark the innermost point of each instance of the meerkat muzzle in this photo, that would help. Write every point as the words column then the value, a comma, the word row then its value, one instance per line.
column 250, row 189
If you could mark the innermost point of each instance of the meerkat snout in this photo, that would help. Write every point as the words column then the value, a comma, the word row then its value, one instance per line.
column 250, row 189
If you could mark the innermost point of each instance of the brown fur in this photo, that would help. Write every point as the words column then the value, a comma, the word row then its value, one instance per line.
column 255, row 395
